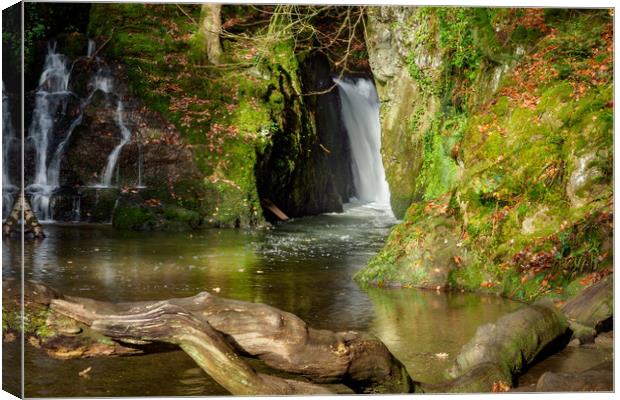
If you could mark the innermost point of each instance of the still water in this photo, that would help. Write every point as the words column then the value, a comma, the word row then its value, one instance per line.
column 304, row 266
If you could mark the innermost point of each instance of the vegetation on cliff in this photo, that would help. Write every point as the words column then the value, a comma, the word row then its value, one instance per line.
column 248, row 119
column 513, row 125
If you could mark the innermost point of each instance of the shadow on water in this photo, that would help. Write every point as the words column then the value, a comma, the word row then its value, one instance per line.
column 304, row 266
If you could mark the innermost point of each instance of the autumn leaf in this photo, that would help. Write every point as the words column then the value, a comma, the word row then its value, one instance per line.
column 500, row 386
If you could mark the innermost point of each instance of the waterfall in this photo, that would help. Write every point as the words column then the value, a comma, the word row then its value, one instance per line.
column 8, row 138
column 76, row 212
column 91, row 48
column 140, row 167
column 360, row 111
column 125, row 137
column 52, row 98
column 102, row 82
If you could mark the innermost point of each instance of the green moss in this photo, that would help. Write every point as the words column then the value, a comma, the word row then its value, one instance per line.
column 34, row 321
column 130, row 217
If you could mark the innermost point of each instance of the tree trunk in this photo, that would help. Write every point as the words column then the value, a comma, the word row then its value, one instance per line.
column 209, row 31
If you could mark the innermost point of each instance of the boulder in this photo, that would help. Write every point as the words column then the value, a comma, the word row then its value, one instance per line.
column 598, row 378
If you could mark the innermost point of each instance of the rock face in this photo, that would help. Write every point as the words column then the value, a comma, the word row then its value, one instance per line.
column 305, row 170
column 390, row 43
column 495, row 159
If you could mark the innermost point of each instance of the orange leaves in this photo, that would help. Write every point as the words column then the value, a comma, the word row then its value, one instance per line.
column 534, row 262
column 217, row 177
column 436, row 208
column 534, row 18
column 500, row 386
column 484, row 128
column 550, row 173
column 595, row 277
column 153, row 202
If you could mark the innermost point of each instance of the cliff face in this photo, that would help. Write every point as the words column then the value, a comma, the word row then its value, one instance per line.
column 497, row 138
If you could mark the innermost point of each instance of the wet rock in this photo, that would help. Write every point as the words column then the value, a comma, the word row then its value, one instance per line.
column 583, row 334
column 598, row 378
column 140, row 212
column 424, row 259
column 390, row 44
column 594, row 306
column 605, row 340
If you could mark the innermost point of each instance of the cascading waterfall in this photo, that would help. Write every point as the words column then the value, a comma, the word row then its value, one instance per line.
column 52, row 97
column 125, row 137
column 360, row 111
column 8, row 138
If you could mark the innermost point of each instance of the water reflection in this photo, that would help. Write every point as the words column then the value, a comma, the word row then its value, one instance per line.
column 304, row 266
column 426, row 329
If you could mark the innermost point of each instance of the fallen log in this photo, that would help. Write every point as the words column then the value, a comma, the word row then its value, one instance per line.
column 208, row 327
column 268, row 204
column 173, row 324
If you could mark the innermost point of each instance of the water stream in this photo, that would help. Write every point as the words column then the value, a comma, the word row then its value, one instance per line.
column 125, row 137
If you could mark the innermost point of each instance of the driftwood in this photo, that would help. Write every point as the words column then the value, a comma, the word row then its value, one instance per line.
column 268, row 204
column 220, row 333
column 213, row 331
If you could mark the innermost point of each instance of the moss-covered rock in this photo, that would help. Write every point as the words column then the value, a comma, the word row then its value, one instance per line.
column 512, row 116
column 420, row 257
column 139, row 212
